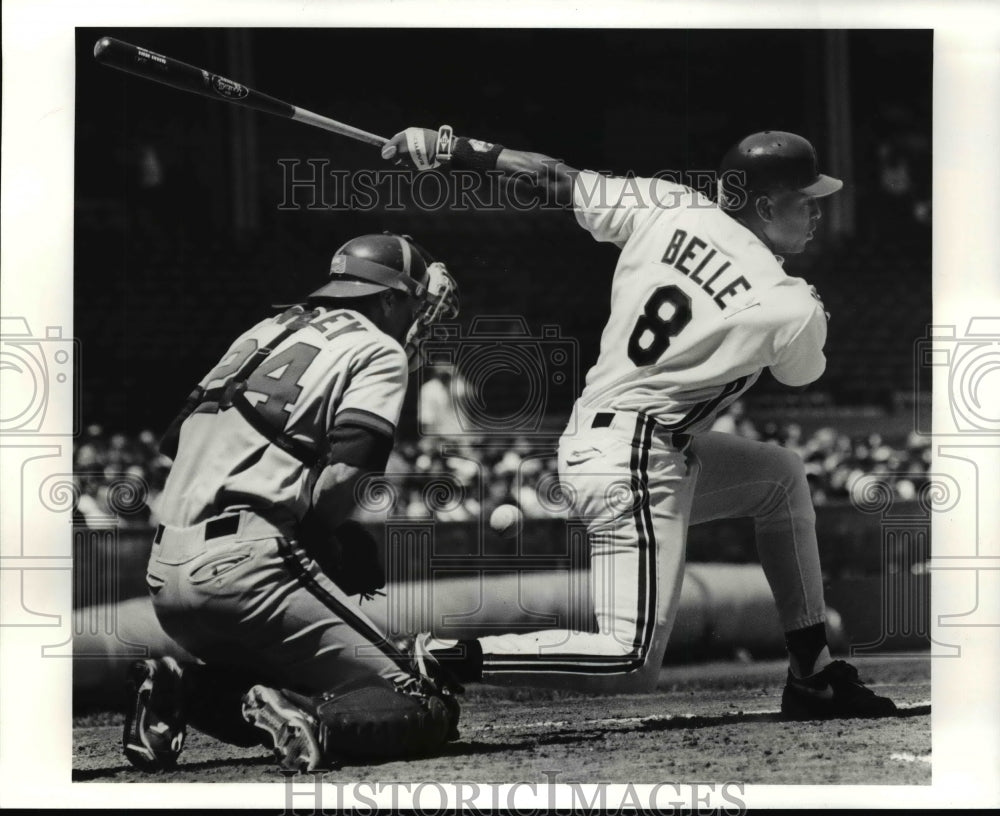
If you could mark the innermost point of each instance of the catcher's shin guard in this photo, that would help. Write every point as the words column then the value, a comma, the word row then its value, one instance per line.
column 154, row 721
column 293, row 732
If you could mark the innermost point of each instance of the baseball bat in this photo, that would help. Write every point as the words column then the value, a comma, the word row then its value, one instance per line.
column 135, row 59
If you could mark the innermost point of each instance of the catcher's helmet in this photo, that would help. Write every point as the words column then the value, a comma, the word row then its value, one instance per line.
column 772, row 159
column 375, row 263
column 372, row 263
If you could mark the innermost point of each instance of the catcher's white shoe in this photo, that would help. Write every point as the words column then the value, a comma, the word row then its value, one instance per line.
column 292, row 730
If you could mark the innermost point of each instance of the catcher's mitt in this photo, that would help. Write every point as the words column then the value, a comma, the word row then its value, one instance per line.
column 357, row 568
column 350, row 557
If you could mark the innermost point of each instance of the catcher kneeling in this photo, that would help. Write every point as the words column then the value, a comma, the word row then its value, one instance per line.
column 253, row 568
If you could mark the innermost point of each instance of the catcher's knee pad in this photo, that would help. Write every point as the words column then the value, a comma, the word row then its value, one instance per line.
column 377, row 719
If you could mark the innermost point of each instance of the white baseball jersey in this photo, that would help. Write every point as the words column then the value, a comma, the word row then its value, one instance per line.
column 699, row 305
column 338, row 368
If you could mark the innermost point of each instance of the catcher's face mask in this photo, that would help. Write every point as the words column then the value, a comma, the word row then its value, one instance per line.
column 439, row 302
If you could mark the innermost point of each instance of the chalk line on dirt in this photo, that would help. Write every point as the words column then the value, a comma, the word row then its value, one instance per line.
column 649, row 718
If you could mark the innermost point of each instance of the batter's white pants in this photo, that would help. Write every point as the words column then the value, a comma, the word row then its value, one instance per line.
column 637, row 487
column 239, row 591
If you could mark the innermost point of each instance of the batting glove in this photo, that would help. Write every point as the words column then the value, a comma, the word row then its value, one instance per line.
column 420, row 148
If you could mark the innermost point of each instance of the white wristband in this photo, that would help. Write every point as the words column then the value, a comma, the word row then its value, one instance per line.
column 442, row 152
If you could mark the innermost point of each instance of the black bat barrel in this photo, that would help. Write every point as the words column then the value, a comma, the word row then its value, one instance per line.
column 148, row 64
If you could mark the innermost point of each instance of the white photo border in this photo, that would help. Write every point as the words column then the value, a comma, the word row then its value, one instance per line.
column 36, row 279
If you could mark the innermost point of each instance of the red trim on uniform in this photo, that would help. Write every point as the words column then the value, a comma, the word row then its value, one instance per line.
column 366, row 419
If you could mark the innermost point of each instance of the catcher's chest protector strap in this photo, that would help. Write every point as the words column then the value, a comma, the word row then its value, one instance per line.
column 234, row 396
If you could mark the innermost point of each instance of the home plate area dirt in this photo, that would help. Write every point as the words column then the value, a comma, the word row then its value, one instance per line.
column 710, row 721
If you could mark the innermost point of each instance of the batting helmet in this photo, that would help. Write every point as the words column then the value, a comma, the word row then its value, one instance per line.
column 772, row 159
column 372, row 263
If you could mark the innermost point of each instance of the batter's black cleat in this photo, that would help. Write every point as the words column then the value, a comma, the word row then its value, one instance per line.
column 833, row 693
column 293, row 731
column 442, row 676
column 154, row 722
column 461, row 662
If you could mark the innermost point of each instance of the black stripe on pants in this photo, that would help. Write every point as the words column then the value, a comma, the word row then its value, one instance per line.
column 646, row 580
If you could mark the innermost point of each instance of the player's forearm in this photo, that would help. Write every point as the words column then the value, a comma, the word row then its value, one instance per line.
column 548, row 178
column 334, row 494
column 355, row 452
column 545, row 174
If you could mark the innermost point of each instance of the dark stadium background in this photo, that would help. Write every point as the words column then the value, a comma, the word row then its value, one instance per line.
column 180, row 243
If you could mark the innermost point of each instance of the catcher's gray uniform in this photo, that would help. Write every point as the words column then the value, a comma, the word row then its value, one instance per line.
column 230, row 577
column 271, row 448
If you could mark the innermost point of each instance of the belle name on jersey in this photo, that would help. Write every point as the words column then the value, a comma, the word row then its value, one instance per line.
column 700, row 261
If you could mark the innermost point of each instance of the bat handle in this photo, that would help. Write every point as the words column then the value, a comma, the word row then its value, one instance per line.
column 333, row 126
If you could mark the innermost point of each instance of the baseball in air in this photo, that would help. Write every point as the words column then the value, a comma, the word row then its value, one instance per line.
column 506, row 520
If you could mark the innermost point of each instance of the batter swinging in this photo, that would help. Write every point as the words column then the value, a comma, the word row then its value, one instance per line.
column 700, row 305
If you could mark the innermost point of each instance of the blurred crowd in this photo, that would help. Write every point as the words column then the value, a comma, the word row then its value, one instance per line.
column 835, row 461
column 120, row 477
column 117, row 477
